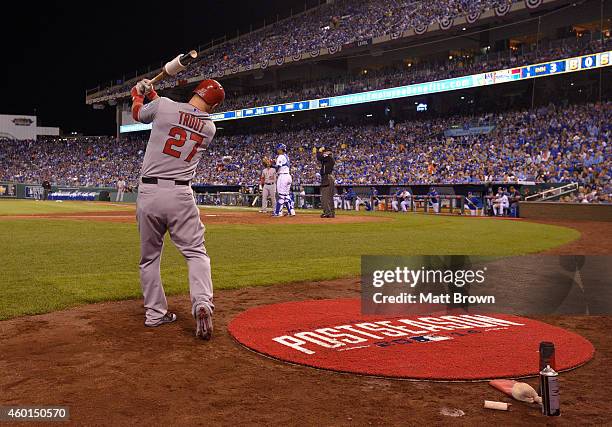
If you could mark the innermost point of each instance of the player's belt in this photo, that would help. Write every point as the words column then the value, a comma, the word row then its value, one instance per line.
column 269, row 183
column 149, row 180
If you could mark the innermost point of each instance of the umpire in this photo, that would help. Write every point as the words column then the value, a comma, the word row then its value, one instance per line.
column 328, row 185
column 46, row 185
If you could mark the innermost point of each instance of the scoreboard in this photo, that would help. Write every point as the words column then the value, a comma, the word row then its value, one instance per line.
column 580, row 63
column 568, row 65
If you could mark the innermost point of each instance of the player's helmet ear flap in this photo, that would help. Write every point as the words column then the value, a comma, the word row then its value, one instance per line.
column 210, row 91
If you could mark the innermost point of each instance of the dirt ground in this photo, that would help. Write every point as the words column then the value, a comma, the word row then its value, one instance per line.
column 595, row 238
column 101, row 362
column 208, row 217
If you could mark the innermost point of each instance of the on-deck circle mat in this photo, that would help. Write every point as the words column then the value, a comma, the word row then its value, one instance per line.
column 334, row 335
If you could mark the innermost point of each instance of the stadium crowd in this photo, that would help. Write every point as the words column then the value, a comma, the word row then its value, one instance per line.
column 335, row 24
column 328, row 25
column 549, row 144
column 410, row 73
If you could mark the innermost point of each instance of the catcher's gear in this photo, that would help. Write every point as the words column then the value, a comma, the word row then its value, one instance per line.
column 210, row 91
column 281, row 146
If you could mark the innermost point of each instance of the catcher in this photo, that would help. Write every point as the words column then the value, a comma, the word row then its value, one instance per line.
column 268, row 185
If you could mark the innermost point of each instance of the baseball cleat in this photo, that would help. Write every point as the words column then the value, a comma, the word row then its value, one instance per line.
column 168, row 318
column 204, row 325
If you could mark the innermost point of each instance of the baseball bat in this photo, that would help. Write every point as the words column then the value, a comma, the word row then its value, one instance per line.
column 175, row 66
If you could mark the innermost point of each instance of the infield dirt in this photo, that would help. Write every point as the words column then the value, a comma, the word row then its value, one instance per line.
column 208, row 217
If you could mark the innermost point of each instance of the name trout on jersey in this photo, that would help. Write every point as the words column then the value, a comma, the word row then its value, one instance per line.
column 194, row 123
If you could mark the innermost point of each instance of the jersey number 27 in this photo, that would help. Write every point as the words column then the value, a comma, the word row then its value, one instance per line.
column 178, row 137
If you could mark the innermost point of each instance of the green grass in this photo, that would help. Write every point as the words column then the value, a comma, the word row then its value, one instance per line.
column 32, row 207
column 48, row 265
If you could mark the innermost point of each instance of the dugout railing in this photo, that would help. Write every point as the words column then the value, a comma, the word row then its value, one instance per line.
column 449, row 204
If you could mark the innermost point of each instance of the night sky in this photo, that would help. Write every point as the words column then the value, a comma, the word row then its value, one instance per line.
column 53, row 51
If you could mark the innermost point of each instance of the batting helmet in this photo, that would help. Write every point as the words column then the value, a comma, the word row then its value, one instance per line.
column 281, row 146
column 210, row 91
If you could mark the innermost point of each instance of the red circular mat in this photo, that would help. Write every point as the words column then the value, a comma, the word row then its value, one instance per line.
column 334, row 335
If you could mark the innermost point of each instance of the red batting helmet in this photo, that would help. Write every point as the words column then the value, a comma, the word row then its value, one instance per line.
column 210, row 91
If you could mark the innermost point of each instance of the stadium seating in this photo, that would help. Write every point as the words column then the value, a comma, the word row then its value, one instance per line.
column 329, row 25
column 419, row 73
column 549, row 144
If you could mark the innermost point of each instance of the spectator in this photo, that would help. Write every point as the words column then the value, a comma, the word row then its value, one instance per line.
column 549, row 144
column 346, row 21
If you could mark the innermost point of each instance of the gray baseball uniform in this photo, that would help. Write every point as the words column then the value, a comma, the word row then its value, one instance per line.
column 120, row 190
column 268, row 176
column 180, row 132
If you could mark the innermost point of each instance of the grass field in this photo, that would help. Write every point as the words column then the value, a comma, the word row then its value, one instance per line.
column 28, row 207
column 48, row 265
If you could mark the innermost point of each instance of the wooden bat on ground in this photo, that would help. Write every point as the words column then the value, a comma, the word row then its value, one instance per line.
column 175, row 66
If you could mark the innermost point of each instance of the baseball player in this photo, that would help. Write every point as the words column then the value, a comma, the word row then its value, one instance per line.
column 514, row 197
column 180, row 133
column 374, row 197
column 302, row 198
column 349, row 196
column 337, row 201
column 434, row 199
column 396, row 201
column 473, row 203
column 283, row 183
column 406, row 202
column 501, row 202
column 268, row 185
column 120, row 189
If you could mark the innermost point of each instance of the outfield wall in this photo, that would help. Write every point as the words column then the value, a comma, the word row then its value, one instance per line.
column 566, row 211
column 35, row 191
column 528, row 210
